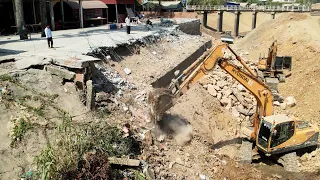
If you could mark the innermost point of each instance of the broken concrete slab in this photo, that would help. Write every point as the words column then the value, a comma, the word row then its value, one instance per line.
column 77, row 61
column 124, row 161
column 29, row 61
column 63, row 73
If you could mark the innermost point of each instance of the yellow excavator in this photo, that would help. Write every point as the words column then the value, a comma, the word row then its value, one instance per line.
column 272, row 68
column 270, row 134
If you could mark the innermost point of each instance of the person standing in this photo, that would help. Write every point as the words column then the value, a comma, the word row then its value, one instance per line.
column 48, row 33
column 127, row 20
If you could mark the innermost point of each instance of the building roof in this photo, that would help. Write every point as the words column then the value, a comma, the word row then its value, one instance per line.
column 118, row 1
column 87, row 4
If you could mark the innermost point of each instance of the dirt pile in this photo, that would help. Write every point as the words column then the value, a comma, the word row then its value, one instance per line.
column 297, row 36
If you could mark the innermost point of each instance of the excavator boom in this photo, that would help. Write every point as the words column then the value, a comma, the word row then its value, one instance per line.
column 162, row 99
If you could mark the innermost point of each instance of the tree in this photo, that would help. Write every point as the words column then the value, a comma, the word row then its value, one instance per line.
column 18, row 4
column 43, row 16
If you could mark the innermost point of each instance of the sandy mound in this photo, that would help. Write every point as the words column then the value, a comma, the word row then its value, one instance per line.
column 298, row 36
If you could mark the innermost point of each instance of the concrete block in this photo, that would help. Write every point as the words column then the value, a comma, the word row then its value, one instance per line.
column 63, row 73
column 90, row 101
column 272, row 83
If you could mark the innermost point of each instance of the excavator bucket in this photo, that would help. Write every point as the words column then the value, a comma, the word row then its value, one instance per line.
column 159, row 100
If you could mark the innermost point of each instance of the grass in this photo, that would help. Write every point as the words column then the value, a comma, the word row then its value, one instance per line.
column 19, row 130
column 74, row 140
column 7, row 77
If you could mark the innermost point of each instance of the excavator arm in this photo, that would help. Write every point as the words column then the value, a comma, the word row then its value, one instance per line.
column 162, row 99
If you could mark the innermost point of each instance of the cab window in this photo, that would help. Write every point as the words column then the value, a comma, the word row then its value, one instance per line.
column 282, row 133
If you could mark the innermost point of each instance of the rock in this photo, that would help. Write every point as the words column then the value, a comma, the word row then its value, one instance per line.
column 221, row 84
column 127, row 71
column 211, row 90
column 276, row 176
column 283, row 106
column 216, row 87
column 115, row 80
column 227, row 92
column 313, row 153
column 203, row 177
column 108, row 57
column 154, row 53
column 240, row 98
column 102, row 96
column 125, row 108
column 61, row 72
column 242, row 110
column 124, row 161
column 241, row 88
column 234, row 112
column 248, row 100
column 219, row 95
column 205, row 80
column 224, row 162
column 225, row 101
column 290, row 101
column 176, row 73
column 276, row 103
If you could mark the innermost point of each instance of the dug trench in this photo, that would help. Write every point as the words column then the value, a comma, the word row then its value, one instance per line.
column 203, row 114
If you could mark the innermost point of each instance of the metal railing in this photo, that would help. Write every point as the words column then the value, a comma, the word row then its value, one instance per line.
column 302, row 8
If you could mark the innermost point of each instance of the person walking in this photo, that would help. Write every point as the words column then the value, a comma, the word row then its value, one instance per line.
column 48, row 33
column 127, row 20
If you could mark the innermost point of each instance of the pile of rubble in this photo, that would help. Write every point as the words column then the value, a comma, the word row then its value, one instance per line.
column 235, row 97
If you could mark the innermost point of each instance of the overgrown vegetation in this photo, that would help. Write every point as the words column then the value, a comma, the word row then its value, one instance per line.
column 21, row 126
column 75, row 142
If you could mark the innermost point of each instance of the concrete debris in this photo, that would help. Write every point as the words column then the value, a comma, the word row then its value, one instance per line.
column 290, row 101
column 203, row 177
column 176, row 73
column 212, row 90
column 241, row 88
column 219, row 95
column 90, row 95
column 124, row 161
column 235, row 112
column 276, row 103
column 127, row 71
column 61, row 72
column 108, row 57
column 283, row 106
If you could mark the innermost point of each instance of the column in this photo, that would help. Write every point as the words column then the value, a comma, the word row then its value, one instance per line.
column 236, row 23
column 116, row 12
column 62, row 11
column 80, row 13
column 220, row 20
column 273, row 15
column 254, row 19
column 34, row 13
column 52, row 16
column 205, row 18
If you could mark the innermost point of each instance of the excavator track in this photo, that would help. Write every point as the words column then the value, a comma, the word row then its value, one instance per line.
column 245, row 155
column 290, row 162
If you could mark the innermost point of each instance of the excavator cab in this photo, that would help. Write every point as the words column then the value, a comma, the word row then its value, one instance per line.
column 281, row 133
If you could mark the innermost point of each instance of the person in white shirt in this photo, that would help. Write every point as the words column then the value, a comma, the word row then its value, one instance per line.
column 48, row 33
column 127, row 20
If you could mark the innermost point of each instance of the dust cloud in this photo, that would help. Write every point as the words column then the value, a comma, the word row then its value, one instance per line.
column 176, row 126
